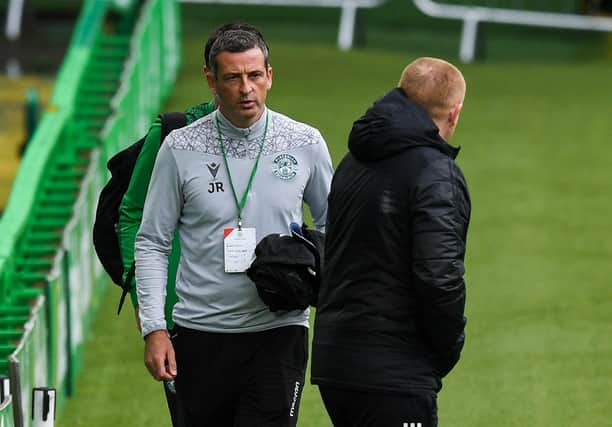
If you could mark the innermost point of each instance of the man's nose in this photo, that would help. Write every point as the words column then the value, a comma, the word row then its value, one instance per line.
column 245, row 86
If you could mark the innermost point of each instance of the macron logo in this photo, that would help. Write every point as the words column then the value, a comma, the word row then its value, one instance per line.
column 296, row 394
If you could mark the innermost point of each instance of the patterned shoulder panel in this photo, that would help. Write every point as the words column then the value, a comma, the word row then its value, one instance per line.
column 198, row 136
column 288, row 134
column 284, row 134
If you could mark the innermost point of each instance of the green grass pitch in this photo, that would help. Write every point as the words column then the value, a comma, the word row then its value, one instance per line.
column 536, row 151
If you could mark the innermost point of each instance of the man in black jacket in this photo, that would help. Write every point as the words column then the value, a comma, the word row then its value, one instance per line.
column 390, row 319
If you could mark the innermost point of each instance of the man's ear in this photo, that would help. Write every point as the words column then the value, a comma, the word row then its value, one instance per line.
column 453, row 115
column 212, row 82
column 269, row 78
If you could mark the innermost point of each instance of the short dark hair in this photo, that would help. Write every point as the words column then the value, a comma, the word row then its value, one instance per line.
column 237, row 41
column 223, row 28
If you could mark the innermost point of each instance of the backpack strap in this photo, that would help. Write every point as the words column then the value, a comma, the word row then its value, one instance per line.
column 169, row 122
column 126, row 286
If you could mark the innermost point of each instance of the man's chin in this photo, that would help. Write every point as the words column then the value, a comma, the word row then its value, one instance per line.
column 247, row 117
column 250, row 113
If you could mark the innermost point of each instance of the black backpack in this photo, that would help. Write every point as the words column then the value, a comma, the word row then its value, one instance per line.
column 105, row 238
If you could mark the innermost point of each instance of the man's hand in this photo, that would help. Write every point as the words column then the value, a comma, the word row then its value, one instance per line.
column 159, row 356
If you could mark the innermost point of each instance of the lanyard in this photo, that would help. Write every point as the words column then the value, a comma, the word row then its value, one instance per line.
column 240, row 204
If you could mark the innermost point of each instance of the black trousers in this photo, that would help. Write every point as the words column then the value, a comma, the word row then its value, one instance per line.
column 239, row 380
column 175, row 415
column 352, row 408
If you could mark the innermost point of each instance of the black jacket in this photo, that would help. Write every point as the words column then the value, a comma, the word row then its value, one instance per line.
column 391, row 306
column 287, row 269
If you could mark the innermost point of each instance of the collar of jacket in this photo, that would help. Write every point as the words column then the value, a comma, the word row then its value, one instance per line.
column 392, row 125
column 250, row 133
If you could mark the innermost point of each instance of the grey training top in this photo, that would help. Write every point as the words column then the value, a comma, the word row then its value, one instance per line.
column 190, row 189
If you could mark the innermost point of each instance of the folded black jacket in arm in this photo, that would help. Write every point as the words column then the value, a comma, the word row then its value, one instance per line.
column 287, row 269
column 391, row 305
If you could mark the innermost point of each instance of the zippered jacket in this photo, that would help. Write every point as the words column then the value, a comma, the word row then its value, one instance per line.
column 201, row 172
column 390, row 315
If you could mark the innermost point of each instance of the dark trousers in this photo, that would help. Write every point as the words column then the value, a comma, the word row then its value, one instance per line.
column 352, row 408
column 175, row 415
column 239, row 380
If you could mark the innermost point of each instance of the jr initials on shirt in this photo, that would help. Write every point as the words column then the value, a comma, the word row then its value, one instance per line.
column 215, row 187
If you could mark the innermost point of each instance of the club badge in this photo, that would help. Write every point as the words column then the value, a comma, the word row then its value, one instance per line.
column 285, row 167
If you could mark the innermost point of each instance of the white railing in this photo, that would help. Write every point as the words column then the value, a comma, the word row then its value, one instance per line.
column 14, row 10
column 473, row 15
column 346, row 28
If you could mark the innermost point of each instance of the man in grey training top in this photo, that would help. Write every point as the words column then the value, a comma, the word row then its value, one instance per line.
column 226, row 181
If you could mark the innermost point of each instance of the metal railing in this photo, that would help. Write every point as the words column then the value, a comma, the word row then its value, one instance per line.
column 348, row 15
column 473, row 15
column 119, row 67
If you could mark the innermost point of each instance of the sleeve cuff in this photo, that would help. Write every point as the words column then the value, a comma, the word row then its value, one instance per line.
column 147, row 328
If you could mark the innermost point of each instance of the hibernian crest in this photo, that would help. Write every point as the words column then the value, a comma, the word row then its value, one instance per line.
column 285, row 167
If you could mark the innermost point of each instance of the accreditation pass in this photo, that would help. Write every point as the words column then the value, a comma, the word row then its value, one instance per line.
column 238, row 249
